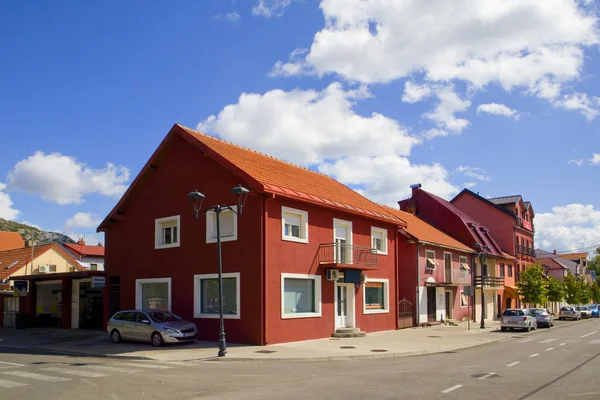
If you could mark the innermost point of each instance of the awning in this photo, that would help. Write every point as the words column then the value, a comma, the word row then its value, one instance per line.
column 58, row 275
column 511, row 289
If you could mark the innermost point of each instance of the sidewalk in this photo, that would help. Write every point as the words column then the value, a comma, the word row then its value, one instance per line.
column 401, row 343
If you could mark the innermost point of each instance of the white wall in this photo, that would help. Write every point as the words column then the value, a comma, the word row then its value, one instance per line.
column 422, row 299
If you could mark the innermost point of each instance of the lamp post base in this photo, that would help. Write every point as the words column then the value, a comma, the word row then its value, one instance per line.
column 222, row 348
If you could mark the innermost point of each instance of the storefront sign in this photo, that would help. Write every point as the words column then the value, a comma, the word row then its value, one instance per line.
column 98, row 282
column 20, row 288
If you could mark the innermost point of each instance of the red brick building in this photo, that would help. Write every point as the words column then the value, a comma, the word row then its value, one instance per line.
column 296, row 225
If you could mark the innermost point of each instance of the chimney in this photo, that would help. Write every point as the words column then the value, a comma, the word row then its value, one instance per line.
column 415, row 188
column 99, row 244
column 81, row 242
column 554, row 251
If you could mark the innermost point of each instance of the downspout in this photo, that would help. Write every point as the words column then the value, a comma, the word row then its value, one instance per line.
column 418, row 299
column 397, row 283
column 263, row 261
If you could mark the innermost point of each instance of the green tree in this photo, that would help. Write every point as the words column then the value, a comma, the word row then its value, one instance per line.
column 594, row 263
column 584, row 293
column 571, row 289
column 595, row 292
column 532, row 285
column 556, row 289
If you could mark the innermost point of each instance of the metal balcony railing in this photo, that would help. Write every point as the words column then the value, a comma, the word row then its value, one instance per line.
column 521, row 223
column 489, row 281
column 338, row 253
column 527, row 251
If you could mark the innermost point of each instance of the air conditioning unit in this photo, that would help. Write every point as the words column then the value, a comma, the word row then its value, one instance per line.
column 363, row 278
column 333, row 274
column 44, row 269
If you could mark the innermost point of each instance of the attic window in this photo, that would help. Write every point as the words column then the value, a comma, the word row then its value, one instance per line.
column 167, row 232
column 10, row 265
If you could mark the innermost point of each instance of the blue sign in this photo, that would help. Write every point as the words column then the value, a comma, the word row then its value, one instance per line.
column 98, row 282
column 20, row 288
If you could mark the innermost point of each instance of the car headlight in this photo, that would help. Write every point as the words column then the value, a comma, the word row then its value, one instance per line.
column 171, row 330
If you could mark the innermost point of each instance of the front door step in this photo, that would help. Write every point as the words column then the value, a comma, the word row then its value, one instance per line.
column 348, row 333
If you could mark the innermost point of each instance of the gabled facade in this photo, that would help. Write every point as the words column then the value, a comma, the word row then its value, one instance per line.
column 89, row 257
column 580, row 259
column 306, row 256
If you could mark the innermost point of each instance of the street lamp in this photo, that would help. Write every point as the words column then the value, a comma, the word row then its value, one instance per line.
column 197, row 198
column 481, row 256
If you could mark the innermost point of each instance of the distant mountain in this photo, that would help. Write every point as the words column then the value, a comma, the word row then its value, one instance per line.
column 29, row 232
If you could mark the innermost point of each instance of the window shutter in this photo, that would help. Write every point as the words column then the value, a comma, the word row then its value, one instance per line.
column 293, row 219
column 226, row 221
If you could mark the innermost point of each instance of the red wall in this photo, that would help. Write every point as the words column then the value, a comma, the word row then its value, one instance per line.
column 130, row 251
column 407, row 272
column 291, row 257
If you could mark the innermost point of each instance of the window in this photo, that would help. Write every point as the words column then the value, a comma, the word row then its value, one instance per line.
column 300, row 296
column 379, row 240
column 206, row 295
column 509, row 270
column 464, row 301
column 94, row 267
column 501, row 269
column 153, row 294
column 376, row 296
column 464, row 263
column 431, row 263
column 166, row 232
column 227, row 226
column 294, row 225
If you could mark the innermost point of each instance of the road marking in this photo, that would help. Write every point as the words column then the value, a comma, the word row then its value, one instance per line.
column 152, row 366
column 4, row 383
column 594, row 341
column 524, row 340
column 588, row 334
column 513, row 364
column 39, row 377
column 452, row 388
column 487, row 375
column 13, row 364
column 534, row 355
column 549, row 349
column 562, row 344
column 548, row 341
column 113, row 369
column 78, row 372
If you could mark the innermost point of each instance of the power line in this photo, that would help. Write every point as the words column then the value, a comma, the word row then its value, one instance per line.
column 593, row 247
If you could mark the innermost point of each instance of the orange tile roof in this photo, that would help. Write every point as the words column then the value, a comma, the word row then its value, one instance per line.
column 11, row 240
column 13, row 260
column 574, row 256
column 86, row 250
column 423, row 231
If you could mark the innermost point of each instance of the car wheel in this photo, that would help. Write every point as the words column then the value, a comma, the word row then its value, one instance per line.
column 115, row 336
column 157, row 339
column 528, row 329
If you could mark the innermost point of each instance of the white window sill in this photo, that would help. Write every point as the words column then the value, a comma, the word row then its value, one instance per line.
column 376, row 312
column 166, row 246
column 216, row 316
column 301, row 315
column 294, row 239
column 223, row 239
column 381, row 252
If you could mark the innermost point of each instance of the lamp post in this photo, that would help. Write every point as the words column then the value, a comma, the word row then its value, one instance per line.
column 481, row 256
column 197, row 198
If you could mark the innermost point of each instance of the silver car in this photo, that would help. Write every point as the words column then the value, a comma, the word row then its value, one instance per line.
column 155, row 326
column 518, row 318
column 543, row 317
column 569, row 312
column 585, row 311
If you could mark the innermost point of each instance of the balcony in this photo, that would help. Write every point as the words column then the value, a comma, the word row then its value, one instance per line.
column 489, row 282
column 341, row 254
column 526, row 251
column 527, row 225
column 461, row 276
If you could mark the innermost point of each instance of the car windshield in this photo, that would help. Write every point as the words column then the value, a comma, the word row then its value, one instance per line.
column 582, row 308
column 538, row 311
column 566, row 309
column 163, row 316
column 513, row 313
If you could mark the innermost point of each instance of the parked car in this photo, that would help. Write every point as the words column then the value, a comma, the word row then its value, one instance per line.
column 155, row 326
column 595, row 309
column 585, row 311
column 518, row 318
column 569, row 312
column 543, row 317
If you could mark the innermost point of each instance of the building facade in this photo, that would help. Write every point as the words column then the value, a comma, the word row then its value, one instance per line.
column 89, row 257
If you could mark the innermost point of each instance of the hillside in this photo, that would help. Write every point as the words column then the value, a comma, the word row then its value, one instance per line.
column 29, row 232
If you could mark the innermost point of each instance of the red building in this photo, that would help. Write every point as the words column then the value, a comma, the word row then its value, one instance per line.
column 307, row 256
column 433, row 269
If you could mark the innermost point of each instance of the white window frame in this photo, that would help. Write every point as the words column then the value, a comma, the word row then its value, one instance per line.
column 198, row 293
column 303, row 225
column 461, row 294
column 317, row 279
column 161, row 223
column 384, row 239
column 211, row 218
column 386, row 297
column 435, row 263
column 466, row 262
column 138, row 290
column 348, row 225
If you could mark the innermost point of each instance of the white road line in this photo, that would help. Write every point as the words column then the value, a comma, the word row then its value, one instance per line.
column 39, row 377
column 562, row 344
column 13, row 364
column 549, row 349
column 77, row 372
column 513, row 364
column 452, row 388
column 588, row 334
column 487, row 375
column 112, row 369
column 151, row 366
column 534, row 355
column 7, row 384
column 548, row 340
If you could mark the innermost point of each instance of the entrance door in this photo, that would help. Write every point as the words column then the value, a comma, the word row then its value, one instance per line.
column 499, row 302
column 447, row 267
column 449, row 304
column 11, row 308
column 431, row 306
column 344, row 305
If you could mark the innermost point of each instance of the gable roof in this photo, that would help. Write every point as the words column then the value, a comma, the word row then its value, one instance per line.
column 270, row 175
column 13, row 260
column 557, row 258
column 574, row 256
column 86, row 250
column 11, row 240
column 486, row 201
column 425, row 232
column 506, row 199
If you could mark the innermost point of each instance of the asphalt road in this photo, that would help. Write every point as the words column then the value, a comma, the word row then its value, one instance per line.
column 559, row 363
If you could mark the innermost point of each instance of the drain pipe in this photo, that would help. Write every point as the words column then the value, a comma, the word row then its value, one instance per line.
column 417, row 298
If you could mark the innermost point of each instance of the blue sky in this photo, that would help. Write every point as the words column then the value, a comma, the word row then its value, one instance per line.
column 378, row 94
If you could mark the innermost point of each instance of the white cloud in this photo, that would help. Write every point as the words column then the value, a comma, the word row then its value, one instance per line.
column 568, row 227
column 64, row 180
column 588, row 106
column 474, row 172
column 308, row 126
column 292, row 67
column 387, row 179
column 414, row 92
column 579, row 162
column 595, row 160
column 82, row 220
column 233, row 17
column 6, row 205
column 449, row 104
column 470, row 185
column 270, row 8
column 32, row 225
column 498, row 109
